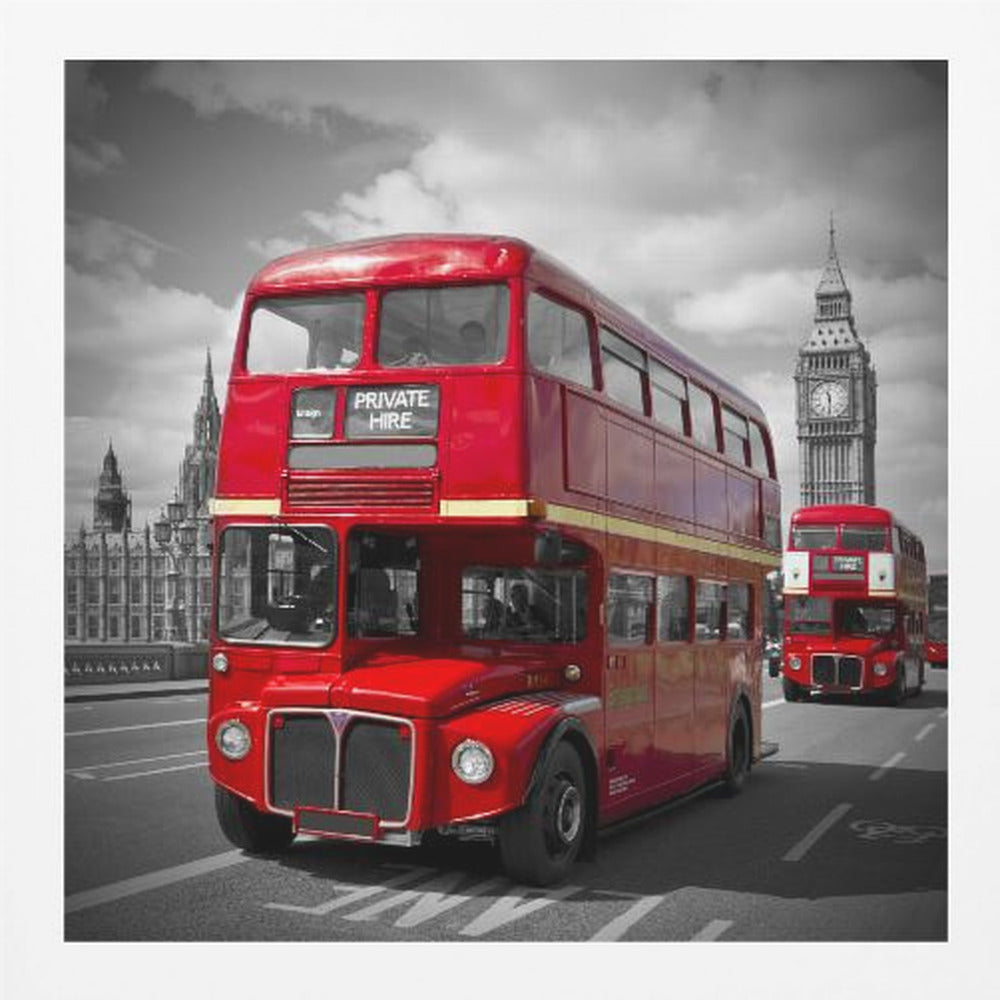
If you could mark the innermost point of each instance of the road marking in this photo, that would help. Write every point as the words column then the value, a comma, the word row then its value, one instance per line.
column 430, row 900
column 352, row 893
column 713, row 931
column 78, row 772
column 513, row 906
column 923, row 732
column 798, row 852
column 129, row 729
column 795, row 767
column 771, row 704
column 158, row 770
column 877, row 774
column 943, row 715
column 79, row 708
column 153, row 880
column 616, row 928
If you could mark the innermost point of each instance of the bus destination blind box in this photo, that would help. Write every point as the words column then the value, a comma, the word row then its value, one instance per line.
column 392, row 411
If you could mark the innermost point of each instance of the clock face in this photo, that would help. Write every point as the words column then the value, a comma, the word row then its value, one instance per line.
column 828, row 399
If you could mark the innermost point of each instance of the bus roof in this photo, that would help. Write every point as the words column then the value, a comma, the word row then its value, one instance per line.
column 419, row 258
column 848, row 513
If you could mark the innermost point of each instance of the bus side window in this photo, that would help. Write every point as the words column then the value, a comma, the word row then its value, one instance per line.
column 559, row 341
column 703, row 417
column 630, row 605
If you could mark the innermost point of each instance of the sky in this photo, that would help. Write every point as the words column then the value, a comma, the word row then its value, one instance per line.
column 697, row 194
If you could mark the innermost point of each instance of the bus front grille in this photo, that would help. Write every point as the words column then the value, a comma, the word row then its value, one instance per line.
column 824, row 669
column 843, row 671
column 359, row 492
column 376, row 769
column 303, row 762
column 340, row 760
column 849, row 671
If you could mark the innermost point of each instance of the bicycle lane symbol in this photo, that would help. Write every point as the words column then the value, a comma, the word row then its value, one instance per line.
column 893, row 833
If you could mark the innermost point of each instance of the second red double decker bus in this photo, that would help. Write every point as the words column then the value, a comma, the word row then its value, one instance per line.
column 489, row 557
column 855, row 594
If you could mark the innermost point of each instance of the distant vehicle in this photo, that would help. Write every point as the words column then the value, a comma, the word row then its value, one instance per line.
column 855, row 584
column 937, row 641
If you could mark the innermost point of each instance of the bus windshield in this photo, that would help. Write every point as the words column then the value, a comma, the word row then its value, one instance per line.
column 859, row 618
column 862, row 539
column 305, row 333
column 277, row 585
column 808, row 616
column 450, row 325
column 814, row 538
column 527, row 605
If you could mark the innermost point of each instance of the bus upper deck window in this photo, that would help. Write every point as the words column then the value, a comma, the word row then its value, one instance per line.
column 306, row 332
column 450, row 325
column 863, row 538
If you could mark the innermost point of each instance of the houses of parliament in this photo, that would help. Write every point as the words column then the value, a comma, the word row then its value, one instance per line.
column 136, row 587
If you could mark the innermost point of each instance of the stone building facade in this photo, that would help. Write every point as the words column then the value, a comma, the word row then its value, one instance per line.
column 152, row 585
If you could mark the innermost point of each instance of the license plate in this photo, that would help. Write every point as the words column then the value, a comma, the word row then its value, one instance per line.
column 333, row 823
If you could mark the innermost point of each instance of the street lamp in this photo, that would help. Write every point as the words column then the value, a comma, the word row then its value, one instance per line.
column 173, row 528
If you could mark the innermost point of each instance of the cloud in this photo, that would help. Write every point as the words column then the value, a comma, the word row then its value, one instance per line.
column 93, row 158
column 135, row 358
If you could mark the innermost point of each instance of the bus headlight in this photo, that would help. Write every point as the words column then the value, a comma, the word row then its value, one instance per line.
column 220, row 663
column 794, row 663
column 233, row 740
column 472, row 762
column 881, row 669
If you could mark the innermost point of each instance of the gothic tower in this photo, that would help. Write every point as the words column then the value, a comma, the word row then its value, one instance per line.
column 197, row 477
column 835, row 399
column 112, row 505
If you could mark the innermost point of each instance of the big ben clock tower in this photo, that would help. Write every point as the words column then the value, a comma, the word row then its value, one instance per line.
column 835, row 399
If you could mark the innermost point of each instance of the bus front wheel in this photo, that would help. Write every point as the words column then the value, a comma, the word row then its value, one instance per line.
column 540, row 841
column 792, row 690
column 249, row 828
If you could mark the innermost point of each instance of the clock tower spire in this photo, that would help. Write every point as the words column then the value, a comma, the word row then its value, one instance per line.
column 835, row 398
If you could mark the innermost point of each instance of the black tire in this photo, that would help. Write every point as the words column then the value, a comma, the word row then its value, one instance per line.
column 250, row 829
column 897, row 693
column 791, row 690
column 737, row 752
column 540, row 841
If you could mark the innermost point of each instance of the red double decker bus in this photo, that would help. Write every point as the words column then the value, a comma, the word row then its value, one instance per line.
column 489, row 557
column 855, row 593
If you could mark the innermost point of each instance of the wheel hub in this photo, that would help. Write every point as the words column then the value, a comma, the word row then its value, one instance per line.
column 568, row 814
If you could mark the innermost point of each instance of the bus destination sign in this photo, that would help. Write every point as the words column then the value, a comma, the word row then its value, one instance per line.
column 392, row 411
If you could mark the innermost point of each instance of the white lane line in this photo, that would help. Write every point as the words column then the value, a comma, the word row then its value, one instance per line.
column 153, row 880
column 713, row 931
column 78, row 772
column 923, row 732
column 516, row 906
column 158, row 770
column 771, row 704
column 615, row 929
column 877, row 774
column 798, row 852
column 943, row 715
column 130, row 729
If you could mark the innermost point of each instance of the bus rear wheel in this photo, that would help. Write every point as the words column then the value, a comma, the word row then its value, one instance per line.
column 249, row 828
column 540, row 841
column 738, row 752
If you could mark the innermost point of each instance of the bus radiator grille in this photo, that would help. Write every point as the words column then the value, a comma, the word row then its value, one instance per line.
column 849, row 671
column 376, row 769
column 303, row 758
column 824, row 669
column 360, row 492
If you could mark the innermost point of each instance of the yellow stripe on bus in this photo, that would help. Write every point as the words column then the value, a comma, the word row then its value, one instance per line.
column 578, row 518
column 244, row 506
